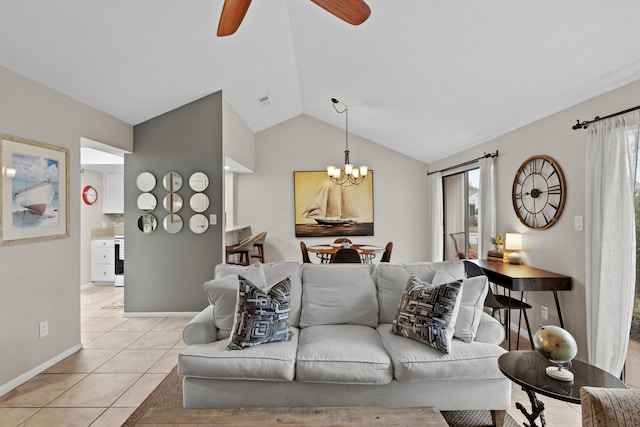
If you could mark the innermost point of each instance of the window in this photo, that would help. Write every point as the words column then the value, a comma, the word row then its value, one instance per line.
column 460, row 192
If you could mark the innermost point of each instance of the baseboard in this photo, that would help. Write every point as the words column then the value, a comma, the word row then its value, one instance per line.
column 160, row 314
column 7, row 387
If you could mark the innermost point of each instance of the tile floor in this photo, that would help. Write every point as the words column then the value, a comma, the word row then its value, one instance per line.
column 123, row 360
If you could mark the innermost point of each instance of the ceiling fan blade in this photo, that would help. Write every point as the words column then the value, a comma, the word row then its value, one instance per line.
column 355, row 12
column 232, row 15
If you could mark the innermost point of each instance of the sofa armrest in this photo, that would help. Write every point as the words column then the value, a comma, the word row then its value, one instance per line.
column 490, row 330
column 608, row 407
column 201, row 329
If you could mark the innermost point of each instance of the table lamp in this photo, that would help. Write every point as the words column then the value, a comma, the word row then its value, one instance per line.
column 513, row 242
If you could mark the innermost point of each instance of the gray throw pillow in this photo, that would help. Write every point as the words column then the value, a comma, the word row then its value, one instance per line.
column 261, row 315
column 427, row 312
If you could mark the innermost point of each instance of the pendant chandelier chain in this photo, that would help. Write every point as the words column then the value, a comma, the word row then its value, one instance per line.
column 350, row 175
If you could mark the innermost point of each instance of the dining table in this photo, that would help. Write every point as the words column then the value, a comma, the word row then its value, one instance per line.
column 326, row 251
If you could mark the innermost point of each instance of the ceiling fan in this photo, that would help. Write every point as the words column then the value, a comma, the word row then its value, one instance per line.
column 354, row 12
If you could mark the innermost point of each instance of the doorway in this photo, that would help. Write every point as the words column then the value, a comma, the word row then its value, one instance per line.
column 97, row 160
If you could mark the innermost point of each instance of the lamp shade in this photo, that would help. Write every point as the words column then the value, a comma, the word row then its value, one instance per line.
column 513, row 242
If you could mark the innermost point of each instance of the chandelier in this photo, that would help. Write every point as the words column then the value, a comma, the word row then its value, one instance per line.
column 350, row 175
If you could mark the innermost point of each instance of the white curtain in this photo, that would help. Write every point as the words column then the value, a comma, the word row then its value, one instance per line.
column 610, row 238
column 486, row 206
column 437, row 225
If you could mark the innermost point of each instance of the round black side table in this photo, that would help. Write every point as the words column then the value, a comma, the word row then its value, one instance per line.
column 527, row 369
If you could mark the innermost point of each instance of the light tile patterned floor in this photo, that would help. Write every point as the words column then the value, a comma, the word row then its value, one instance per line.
column 123, row 360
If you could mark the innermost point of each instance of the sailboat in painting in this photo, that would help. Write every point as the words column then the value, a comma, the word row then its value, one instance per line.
column 333, row 205
column 37, row 197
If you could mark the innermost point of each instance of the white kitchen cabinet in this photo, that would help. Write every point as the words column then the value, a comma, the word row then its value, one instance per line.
column 103, row 257
column 113, row 197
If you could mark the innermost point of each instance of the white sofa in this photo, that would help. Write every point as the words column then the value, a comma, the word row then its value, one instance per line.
column 342, row 351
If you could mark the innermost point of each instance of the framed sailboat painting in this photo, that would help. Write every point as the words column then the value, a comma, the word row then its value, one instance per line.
column 33, row 190
column 323, row 208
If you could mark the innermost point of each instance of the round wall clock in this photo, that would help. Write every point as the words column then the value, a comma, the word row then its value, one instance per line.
column 89, row 195
column 539, row 192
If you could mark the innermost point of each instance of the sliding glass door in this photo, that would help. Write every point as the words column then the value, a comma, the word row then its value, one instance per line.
column 460, row 192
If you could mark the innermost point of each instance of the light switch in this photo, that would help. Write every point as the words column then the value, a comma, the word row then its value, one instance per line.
column 578, row 223
column 213, row 219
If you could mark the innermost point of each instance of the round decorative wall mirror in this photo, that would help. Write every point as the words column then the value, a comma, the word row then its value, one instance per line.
column 146, row 181
column 199, row 181
column 172, row 181
column 199, row 202
column 172, row 223
column 198, row 223
column 147, row 223
column 172, row 202
column 147, row 202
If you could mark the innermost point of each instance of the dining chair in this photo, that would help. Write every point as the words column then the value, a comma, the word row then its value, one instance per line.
column 346, row 255
column 386, row 256
column 243, row 248
column 258, row 244
column 305, row 253
column 502, row 302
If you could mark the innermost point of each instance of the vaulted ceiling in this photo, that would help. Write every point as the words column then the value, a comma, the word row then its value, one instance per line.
column 426, row 78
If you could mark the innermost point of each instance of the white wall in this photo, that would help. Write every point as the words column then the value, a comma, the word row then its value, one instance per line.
column 265, row 199
column 41, row 281
column 91, row 217
column 560, row 248
column 237, row 139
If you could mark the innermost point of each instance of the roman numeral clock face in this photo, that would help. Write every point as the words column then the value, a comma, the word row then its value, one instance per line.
column 539, row 192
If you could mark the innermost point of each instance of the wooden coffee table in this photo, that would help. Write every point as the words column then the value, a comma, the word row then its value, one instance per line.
column 308, row 417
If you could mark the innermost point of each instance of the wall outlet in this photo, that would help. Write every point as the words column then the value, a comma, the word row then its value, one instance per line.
column 44, row 328
column 544, row 312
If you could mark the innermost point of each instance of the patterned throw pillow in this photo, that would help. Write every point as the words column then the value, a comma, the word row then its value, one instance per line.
column 262, row 316
column 427, row 312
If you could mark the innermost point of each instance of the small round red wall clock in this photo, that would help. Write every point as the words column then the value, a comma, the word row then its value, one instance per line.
column 89, row 195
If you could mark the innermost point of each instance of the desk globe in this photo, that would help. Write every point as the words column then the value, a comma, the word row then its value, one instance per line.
column 557, row 345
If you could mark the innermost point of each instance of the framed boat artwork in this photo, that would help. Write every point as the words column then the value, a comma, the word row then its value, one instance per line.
column 323, row 208
column 34, row 190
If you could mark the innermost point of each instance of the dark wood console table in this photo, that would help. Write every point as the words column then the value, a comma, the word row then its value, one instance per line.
column 524, row 278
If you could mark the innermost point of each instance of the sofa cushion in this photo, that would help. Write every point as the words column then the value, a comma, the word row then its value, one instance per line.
column 261, row 315
column 273, row 362
column 254, row 272
column 344, row 354
column 273, row 273
column 427, row 312
column 222, row 294
column 338, row 294
column 391, row 279
column 474, row 291
column 413, row 360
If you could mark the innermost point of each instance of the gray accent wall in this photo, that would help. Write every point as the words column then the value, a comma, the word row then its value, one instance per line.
column 165, row 272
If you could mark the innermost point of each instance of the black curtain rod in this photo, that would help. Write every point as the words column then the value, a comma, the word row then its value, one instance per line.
column 486, row 156
column 584, row 124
